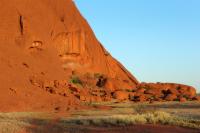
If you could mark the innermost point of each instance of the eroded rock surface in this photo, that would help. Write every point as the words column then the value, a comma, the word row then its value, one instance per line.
column 48, row 40
column 51, row 60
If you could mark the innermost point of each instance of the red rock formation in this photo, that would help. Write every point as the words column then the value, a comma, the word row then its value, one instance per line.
column 182, row 99
column 197, row 98
column 121, row 95
column 168, row 91
column 38, row 38
column 45, row 43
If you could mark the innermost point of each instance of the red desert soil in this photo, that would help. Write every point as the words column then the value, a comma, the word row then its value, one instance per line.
column 121, row 129
column 142, row 129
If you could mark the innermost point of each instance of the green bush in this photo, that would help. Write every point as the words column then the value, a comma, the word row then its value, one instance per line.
column 75, row 80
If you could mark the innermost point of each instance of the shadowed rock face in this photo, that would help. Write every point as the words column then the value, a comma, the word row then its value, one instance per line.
column 50, row 40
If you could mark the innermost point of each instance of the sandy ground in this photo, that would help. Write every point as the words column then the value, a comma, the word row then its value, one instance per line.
column 55, row 122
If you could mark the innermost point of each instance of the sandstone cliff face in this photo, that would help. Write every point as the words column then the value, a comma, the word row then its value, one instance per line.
column 81, row 51
column 49, row 40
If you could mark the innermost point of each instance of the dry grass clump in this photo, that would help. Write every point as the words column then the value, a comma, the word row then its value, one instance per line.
column 128, row 114
column 157, row 117
column 12, row 126
column 142, row 109
column 9, row 123
column 18, row 121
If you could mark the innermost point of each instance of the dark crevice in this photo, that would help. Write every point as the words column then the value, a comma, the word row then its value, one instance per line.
column 52, row 32
column 21, row 24
column 62, row 19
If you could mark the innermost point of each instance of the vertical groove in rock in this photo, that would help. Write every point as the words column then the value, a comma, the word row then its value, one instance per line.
column 21, row 24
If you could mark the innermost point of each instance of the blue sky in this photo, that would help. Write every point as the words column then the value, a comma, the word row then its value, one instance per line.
column 157, row 40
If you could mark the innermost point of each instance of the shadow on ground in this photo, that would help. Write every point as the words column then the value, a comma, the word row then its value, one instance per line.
column 53, row 126
column 59, row 126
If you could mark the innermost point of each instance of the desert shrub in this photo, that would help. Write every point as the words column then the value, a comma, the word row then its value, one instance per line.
column 157, row 117
column 129, row 119
column 9, row 123
column 142, row 109
column 128, row 90
column 75, row 80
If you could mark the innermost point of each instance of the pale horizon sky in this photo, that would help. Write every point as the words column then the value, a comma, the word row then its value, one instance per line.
column 157, row 41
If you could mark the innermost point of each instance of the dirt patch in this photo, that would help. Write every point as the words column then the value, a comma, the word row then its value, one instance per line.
column 141, row 129
column 52, row 128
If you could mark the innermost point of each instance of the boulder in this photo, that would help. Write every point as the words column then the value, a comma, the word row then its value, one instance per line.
column 96, row 99
column 187, row 91
column 131, row 96
column 48, row 84
column 154, row 92
column 110, row 85
column 168, row 91
column 182, row 99
column 121, row 95
column 141, row 90
column 173, row 91
column 171, row 97
column 140, row 98
column 197, row 98
column 74, row 89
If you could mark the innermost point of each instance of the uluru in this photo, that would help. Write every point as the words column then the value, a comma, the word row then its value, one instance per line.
column 50, row 42
column 51, row 61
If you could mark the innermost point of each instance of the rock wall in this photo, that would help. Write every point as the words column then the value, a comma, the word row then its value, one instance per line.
column 71, row 43
column 49, row 40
